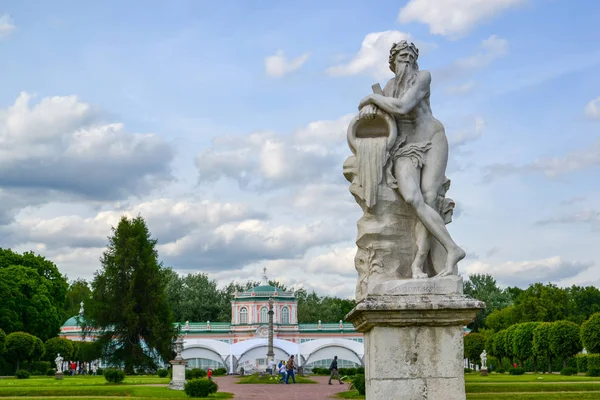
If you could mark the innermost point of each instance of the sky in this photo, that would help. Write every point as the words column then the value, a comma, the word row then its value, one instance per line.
column 223, row 124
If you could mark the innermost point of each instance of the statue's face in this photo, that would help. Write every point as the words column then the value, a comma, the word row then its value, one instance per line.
column 403, row 59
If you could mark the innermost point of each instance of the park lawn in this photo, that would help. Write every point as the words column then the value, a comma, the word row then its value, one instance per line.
column 501, row 378
column 89, row 387
column 269, row 380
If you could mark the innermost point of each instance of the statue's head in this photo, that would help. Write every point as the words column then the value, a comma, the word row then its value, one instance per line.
column 403, row 54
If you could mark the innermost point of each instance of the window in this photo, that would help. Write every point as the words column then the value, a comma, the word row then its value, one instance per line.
column 243, row 315
column 285, row 315
column 264, row 315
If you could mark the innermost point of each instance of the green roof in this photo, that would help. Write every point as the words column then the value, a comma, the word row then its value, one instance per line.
column 264, row 288
column 71, row 322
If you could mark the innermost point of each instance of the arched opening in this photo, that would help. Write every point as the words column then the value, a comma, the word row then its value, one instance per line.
column 285, row 315
column 243, row 315
column 264, row 315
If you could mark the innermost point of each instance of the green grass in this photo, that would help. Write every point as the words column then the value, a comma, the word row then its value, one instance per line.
column 90, row 387
column 270, row 380
column 522, row 387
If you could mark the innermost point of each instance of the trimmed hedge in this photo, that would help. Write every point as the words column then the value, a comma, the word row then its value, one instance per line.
column 194, row 373
column 162, row 373
column 516, row 371
column 51, row 372
column 200, row 387
column 114, row 375
column 219, row 372
column 568, row 371
column 593, row 372
column 22, row 374
column 358, row 383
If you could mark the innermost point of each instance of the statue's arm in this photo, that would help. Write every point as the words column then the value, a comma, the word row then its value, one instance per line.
column 407, row 102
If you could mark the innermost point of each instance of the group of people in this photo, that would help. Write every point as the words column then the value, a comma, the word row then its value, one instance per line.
column 82, row 368
column 286, row 370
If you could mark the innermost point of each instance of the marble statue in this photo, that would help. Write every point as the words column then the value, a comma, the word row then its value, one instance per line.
column 81, row 308
column 398, row 177
column 59, row 362
column 483, row 359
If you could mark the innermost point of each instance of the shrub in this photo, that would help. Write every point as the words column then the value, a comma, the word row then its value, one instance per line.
column 360, row 370
column 516, row 371
column 568, row 371
column 500, row 371
column 219, row 372
column 342, row 371
column 468, row 370
column 100, row 371
column 162, row 373
column 593, row 361
column 590, row 334
column 40, row 367
column 351, row 371
column 593, row 372
column 114, row 375
column 51, row 372
column 200, row 387
column 194, row 373
column 358, row 383
column 22, row 374
column 582, row 362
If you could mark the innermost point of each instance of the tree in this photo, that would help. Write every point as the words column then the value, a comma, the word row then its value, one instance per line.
column 199, row 298
column 590, row 334
column 26, row 303
column 61, row 346
column 57, row 283
column 498, row 349
column 129, row 302
column 541, row 343
column 483, row 287
column 20, row 346
column 565, row 341
column 2, row 342
column 474, row 345
column 508, row 342
column 38, row 351
column 583, row 302
column 523, row 342
column 78, row 291
column 543, row 303
column 500, row 319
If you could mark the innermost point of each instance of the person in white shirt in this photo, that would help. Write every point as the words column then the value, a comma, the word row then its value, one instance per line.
column 271, row 368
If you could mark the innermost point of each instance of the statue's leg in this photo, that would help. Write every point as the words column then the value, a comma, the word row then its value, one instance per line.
column 423, row 239
column 433, row 176
column 409, row 186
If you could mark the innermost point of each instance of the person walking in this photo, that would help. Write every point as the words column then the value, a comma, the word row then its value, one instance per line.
column 289, row 368
column 334, row 371
column 282, row 372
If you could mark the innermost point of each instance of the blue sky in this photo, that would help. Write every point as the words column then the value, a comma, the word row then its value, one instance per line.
column 223, row 124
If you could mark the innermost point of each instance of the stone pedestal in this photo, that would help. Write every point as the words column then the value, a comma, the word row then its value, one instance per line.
column 484, row 372
column 178, row 381
column 414, row 341
column 59, row 375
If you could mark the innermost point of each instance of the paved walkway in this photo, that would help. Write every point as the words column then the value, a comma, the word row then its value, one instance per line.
column 305, row 391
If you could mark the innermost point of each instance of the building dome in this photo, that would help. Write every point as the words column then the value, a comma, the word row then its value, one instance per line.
column 71, row 322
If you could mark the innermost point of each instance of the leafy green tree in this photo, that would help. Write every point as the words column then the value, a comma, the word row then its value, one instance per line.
column 20, row 346
column 484, row 287
column 565, row 340
column 2, row 342
column 590, row 334
column 543, row 303
column 199, row 300
column 61, row 346
column 129, row 302
column 500, row 319
column 38, row 351
column 474, row 344
column 509, row 342
column 523, row 342
column 541, row 343
column 583, row 302
column 57, row 283
column 79, row 290
column 498, row 348
column 89, row 351
column 26, row 302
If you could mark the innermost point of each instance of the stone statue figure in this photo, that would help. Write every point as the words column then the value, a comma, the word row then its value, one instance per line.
column 81, row 308
column 483, row 359
column 59, row 362
column 397, row 176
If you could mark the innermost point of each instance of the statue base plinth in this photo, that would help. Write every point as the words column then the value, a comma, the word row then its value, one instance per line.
column 58, row 375
column 484, row 372
column 414, row 342
column 178, row 371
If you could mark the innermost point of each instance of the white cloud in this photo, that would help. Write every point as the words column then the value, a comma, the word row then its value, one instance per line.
column 372, row 58
column 6, row 25
column 491, row 48
column 454, row 18
column 268, row 160
column 279, row 65
column 592, row 109
column 463, row 88
column 61, row 146
column 465, row 137
column 523, row 273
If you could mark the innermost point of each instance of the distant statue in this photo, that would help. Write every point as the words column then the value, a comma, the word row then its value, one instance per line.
column 398, row 177
column 81, row 308
column 59, row 362
column 483, row 360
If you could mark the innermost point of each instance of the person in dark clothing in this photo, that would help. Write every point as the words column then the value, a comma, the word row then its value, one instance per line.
column 334, row 371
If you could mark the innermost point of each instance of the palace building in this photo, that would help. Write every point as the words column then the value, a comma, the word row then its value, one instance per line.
column 242, row 343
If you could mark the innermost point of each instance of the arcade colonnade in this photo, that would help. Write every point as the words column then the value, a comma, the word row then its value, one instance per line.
column 251, row 354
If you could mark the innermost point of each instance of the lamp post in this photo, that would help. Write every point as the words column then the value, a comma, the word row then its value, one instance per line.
column 270, row 353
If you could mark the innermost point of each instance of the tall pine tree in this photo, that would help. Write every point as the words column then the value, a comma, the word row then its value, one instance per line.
column 129, row 302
